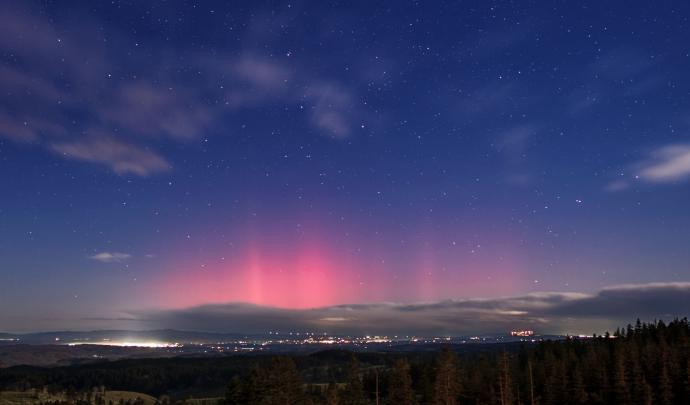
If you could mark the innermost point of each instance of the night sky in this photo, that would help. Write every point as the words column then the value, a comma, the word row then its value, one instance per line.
column 162, row 159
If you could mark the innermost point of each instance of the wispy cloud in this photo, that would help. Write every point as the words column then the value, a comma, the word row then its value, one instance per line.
column 663, row 165
column 262, row 73
column 125, row 116
column 331, row 108
column 515, row 140
column 555, row 312
column 111, row 257
column 16, row 130
column 142, row 108
column 666, row 164
column 618, row 185
column 622, row 72
column 622, row 64
column 121, row 157
column 513, row 144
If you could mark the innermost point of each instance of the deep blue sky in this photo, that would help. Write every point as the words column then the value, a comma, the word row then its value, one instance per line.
column 158, row 155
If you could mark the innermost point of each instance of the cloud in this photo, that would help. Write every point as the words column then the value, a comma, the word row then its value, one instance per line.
column 16, row 83
column 142, row 108
column 653, row 300
column 256, row 80
column 554, row 312
column 618, row 185
column 39, row 41
column 261, row 73
column 622, row 64
column 667, row 164
column 252, row 81
column 663, row 165
column 584, row 98
column 620, row 73
column 515, row 140
column 332, row 105
column 125, row 113
column 111, row 257
column 121, row 157
column 16, row 130
column 513, row 144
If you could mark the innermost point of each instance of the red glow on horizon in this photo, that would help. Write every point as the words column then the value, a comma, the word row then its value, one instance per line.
column 307, row 278
column 310, row 273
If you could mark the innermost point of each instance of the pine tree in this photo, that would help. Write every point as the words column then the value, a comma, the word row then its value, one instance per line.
column 665, row 387
column 505, row 381
column 283, row 382
column 332, row 395
column 353, row 394
column 620, row 385
column 446, row 387
column 686, row 380
column 576, row 389
column 647, row 395
column 235, row 393
column 254, row 390
column 530, row 377
column 400, row 385
column 638, row 384
column 425, row 383
column 553, row 379
column 597, row 380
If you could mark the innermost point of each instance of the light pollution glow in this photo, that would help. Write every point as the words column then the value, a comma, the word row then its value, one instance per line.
column 146, row 344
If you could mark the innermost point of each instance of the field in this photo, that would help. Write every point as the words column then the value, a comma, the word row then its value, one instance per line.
column 31, row 397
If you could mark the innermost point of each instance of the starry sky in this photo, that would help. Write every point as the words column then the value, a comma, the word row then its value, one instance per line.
column 181, row 156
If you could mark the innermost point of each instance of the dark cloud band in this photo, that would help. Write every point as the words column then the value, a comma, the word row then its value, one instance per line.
column 559, row 312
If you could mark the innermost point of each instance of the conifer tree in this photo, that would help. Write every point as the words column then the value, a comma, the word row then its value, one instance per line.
column 446, row 385
column 400, row 385
column 620, row 385
column 332, row 395
column 283, row 382
column 665, row 387
column 353, row 394
column 505, row 381
column 576, row 389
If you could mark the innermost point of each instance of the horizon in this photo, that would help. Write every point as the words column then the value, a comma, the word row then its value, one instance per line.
column 458, row 168
column 546, row 313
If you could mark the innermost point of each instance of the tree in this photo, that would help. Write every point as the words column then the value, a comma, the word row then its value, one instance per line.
column 620, row 386
column 554, row 378
column 332, row 395
column 400, row 385
column 505, row 381
column 253, row 391
column 283, row 382
column 235, row 393
column 665, row 388
column 353, row 394
column 577, row 394
column 446, row 387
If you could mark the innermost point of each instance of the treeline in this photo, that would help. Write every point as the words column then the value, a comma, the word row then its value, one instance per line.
column 638, row 365
column 643, row 364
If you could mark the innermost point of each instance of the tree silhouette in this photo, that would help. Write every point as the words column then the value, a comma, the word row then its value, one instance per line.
column 353, row 394
column 283, row 385
column 446, row 386
column 400, row 385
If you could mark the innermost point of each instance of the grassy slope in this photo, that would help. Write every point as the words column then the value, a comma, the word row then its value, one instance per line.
column 32, row 397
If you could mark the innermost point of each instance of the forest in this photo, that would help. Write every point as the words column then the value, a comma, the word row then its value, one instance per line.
column 641, row 364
